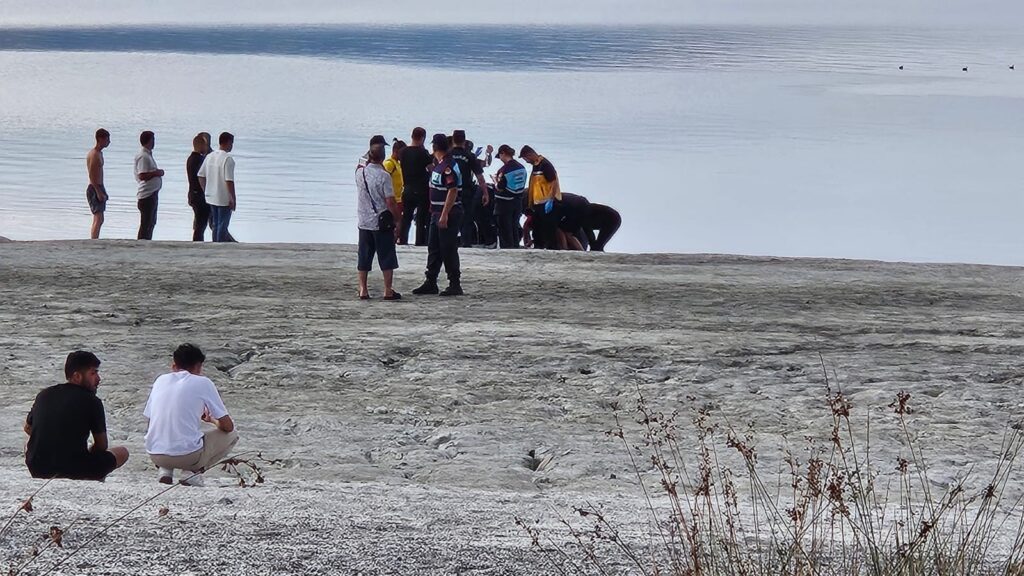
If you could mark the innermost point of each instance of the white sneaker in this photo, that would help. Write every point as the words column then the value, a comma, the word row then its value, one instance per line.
column 192, row 480
column 165, row 476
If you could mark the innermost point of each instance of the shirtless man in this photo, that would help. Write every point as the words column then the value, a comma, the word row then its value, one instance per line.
column 96, row 193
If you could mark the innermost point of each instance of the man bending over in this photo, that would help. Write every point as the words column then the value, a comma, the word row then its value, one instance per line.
column 189, row 427
column 60, row 422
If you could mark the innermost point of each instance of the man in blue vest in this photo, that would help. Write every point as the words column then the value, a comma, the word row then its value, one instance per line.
column 446, row 216
column 509, row 185
column 469, row 166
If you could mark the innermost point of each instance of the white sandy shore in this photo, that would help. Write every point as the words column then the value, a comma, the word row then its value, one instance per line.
column 403, row 427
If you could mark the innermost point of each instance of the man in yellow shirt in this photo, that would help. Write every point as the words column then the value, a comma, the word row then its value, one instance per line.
column 393, row 166
column 544, row 198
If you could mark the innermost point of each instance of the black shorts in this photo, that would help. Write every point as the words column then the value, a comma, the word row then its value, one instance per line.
column 380, row 243
column 88, row 467
column 95, row 205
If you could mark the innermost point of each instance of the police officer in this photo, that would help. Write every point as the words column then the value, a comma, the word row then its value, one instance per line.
column 510, row 183
column 446, row 215
column 470, row 166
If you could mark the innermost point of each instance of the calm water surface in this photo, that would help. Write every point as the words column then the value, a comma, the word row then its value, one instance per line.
column 753, row 140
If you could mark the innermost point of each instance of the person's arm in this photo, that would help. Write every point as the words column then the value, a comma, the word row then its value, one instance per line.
column 449, row 201
column 482, row 182
column 224, row 423
column 99, row 443
column 229, row 177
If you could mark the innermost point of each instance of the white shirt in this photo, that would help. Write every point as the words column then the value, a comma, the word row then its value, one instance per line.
column 175, row 409
column 218, row 168
column 144, row 162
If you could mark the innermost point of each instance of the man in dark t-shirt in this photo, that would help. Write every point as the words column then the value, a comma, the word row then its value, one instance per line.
column 469, row 166
column 60, row 423
column 416, row 162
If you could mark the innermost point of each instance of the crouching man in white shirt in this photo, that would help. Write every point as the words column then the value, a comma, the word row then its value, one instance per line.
column 189, row 427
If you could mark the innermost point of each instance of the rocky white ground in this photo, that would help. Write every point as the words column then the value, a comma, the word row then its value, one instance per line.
column 404, row 429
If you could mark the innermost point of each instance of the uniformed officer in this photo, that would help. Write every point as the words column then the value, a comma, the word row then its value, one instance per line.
column 446, row 216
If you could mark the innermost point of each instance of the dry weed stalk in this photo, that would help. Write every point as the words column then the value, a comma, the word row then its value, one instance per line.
column 836, row 511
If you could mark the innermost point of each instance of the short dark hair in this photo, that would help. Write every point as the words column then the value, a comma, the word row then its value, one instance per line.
column 80, row 360
column 441, row 142
column 188, row 355
column 101, row 134
column 419, row 133
column 146, row 137
column 226, row 138
column 376, row 154
column 526, row 150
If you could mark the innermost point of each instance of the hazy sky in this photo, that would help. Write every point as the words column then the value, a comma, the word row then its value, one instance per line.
column 901, row 12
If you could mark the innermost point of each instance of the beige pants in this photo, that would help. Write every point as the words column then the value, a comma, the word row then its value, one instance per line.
column 216, row 445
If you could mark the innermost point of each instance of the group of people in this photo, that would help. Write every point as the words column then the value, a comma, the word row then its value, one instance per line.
column 444, row 193
column 189, row 429
column 211, row 185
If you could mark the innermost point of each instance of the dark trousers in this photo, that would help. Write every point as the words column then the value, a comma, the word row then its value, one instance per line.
column 470, row 204
column 221, row 217
column 147, row 216
column 443, row 247
column 415, row 207
column 606, row 222
column 509, row 213
column 201, row 213
column 486, row 227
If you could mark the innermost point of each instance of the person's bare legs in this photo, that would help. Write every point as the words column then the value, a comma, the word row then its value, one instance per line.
column 97, row 223
column 389, row 275
column 120, row 455
column 363, row 290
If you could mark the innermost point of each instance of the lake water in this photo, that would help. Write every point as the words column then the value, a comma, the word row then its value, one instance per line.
column 752, row 140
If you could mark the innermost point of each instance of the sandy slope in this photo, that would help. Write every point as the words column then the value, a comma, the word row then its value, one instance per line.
column 403, row 427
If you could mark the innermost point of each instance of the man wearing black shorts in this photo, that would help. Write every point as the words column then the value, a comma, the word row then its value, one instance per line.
column 60, row 422
column 96, row 192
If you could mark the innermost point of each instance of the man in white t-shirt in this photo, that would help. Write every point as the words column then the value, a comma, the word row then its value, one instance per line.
column 189, row 427
column 150, row 179
column 217, row 177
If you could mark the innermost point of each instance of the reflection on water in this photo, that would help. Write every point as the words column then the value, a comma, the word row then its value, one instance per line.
column 756, row 140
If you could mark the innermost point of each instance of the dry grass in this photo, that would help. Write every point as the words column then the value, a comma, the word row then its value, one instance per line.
column 838, row 510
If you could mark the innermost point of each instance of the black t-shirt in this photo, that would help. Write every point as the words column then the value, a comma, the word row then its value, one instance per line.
column 416, row 162
column 62, row 418
column 469, row 165
column 192, row 165
column 573, row 211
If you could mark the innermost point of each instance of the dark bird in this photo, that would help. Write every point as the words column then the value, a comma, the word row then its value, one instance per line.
column 901, row 67
column 965, row 68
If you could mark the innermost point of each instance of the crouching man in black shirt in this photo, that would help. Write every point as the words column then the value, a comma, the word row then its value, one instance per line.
column 60, row 422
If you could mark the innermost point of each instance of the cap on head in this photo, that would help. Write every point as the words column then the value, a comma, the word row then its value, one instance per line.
column 378, row 140
column 440, row 142
column 526, row 151
column 79, row 360
column 506, row 150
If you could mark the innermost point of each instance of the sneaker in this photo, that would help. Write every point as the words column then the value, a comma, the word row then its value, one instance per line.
column 193, row 480
column 452, row 290
column 165, row 476
column 427, row 288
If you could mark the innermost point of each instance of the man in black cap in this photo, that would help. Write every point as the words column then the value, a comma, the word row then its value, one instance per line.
column 378, row 141
column 446, row 214
column 469, row 166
